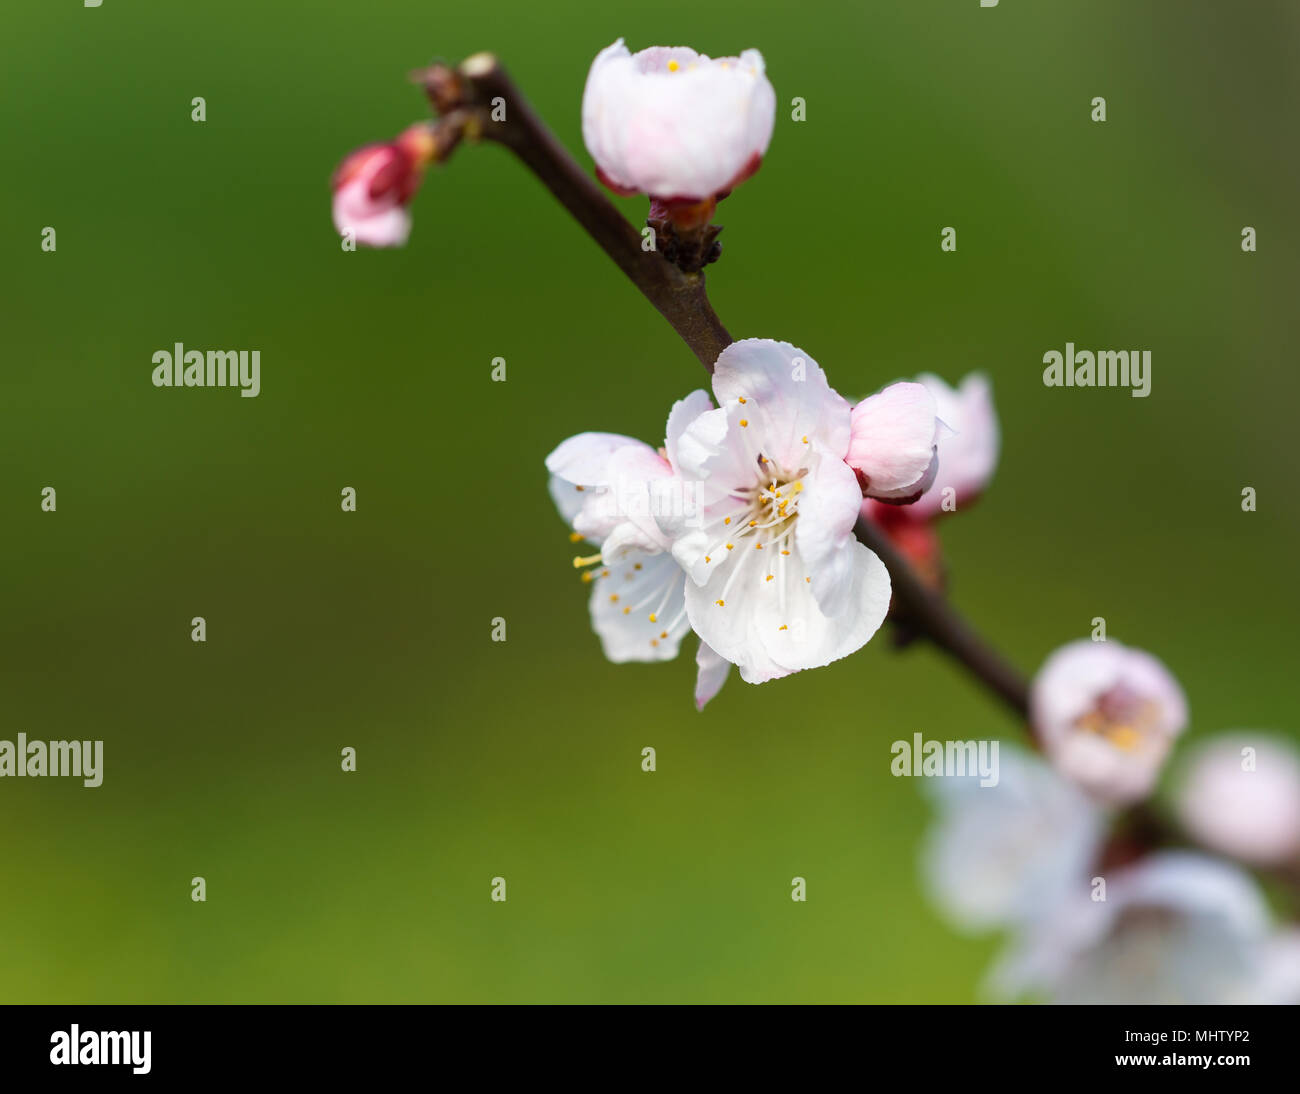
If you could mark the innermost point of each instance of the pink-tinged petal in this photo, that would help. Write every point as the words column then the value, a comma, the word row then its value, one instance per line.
column 711, row 675
column 675, row 124
column 584, row 459
column 710, row 453
column 604, row 476
column 372, row 223
column 968, row 454
column 684, row 412
column 894, row 434
column 783, row 396
column 638, row 489
column 1240, row 796
column 374, row 184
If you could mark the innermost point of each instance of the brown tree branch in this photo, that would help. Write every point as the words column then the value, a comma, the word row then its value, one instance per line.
column 930, row 614
column 468, row 98
column 679, row 297
column 480, row 87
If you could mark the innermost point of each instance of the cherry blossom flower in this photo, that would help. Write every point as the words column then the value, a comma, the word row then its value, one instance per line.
column 1175, row 927
column 1006, row 854
column 777, row 581
column 1106, row 716
column 1240, row 795
column 606, row 487
column 374, row 184
column 675, row 124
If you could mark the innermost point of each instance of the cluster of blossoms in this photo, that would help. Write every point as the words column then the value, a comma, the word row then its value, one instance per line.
column 1090, row 922
column 741, row 528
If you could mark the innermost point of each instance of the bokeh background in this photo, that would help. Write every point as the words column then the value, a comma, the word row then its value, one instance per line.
column 371, row 629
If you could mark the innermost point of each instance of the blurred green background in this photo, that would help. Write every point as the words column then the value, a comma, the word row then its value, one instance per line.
column 371, row 629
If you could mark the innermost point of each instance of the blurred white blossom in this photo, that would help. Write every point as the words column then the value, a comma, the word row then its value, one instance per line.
column 1240, row 795
column 1005, row 854
column 1175, row 927
column 1106, row 715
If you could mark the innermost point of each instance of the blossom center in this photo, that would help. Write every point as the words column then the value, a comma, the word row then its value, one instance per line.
column 1122, row 717
column 762, row 518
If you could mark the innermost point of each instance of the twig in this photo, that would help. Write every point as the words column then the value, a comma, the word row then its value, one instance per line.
column 930, row 614
column 679, row 297
column 480, row 84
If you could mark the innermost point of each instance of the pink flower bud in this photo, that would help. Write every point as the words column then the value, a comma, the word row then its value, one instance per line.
column 893, row 444
column 1241, row 796
column 675, row 124
column 1106, row 716
column 373, row 186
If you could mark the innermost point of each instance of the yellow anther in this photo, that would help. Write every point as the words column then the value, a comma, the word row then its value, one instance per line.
column 580, row 489
column 613, row 598
column 707, row 559
column 768, row 578
column 758, row 546
column 727, row 520
column 730, row 546
column 805, row 438
column 663, row 634
column 587, row 577
column 782, row 627
column 654, row 618
column 626, row 610
column 673, row 66
column 1124, row 737
column 785, row 552
column 744, row 421
column 637, row 566
column 575, row 537
column 720, row 603
column 742, row 398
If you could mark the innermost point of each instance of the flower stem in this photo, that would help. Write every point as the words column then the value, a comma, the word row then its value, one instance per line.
column 681, row 299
